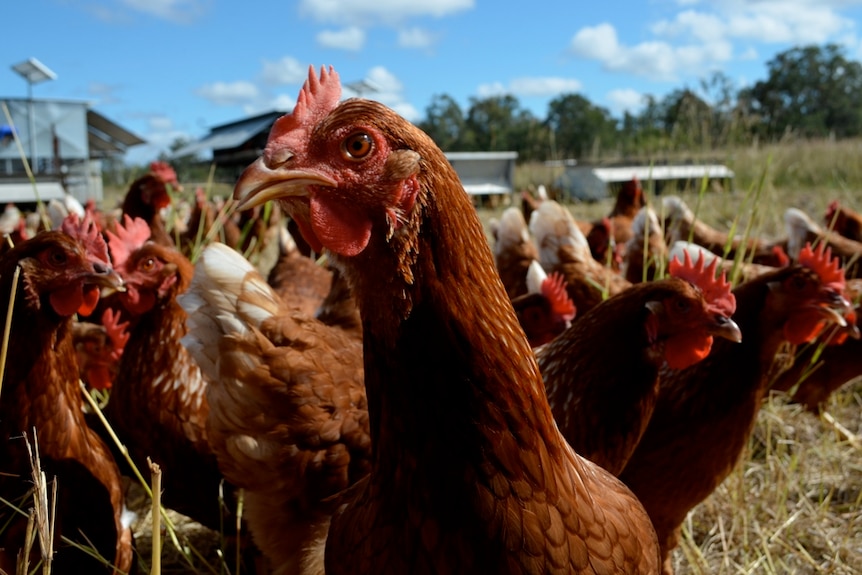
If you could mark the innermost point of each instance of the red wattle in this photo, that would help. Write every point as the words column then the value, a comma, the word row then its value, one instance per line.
column 342, row 229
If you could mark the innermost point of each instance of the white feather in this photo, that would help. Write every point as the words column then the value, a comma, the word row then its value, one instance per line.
column 535, row 277
column 553, row 227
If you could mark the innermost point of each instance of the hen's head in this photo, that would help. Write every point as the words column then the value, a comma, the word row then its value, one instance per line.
column 151, row 272
column 809, row 296
column 546, row 310
column 687, row 310
column 60, row 272
column 340, row 169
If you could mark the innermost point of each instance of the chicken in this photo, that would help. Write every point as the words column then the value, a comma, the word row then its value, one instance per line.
column 468, row 472
column 545, row 311
column 204, row 217
column 739, row 272
column 822, row 366
column 603, row 406
column 844, row 221
column 563, row 248
column 288, row 417
column 514, row 251
column 603, row 246
column 148, row 196
column 99, row 348
column 298, row 279
column 629, row 202
column 681, row 224
column 705, row 413
column 158, row 405
column 801, row 229
column 529, row 202
column 646, row 251
column 62, row 272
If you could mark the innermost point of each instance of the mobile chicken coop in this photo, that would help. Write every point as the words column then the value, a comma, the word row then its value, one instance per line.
column 65, row 143
column 592, row 183
column 487, row 176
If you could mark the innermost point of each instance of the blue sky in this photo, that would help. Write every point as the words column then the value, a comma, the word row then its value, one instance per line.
column 166, row 69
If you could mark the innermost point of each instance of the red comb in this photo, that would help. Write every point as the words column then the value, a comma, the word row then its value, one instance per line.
column 127, row 239
column 116, row 332
column 86, row 232
column 716, row 290
column 164, row 172
column 316, row 99
column 554, row 288
column 822, row 262
column 781, row 256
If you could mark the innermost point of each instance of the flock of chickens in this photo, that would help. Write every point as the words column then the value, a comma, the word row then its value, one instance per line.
column 422, row 403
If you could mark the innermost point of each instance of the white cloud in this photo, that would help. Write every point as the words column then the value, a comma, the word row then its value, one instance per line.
column 387, row 89
column 159, row 134
column 285, row 71
column 229, row 94
column 749, row 54
column 656, row 60
column 701, row 26
column 365, row 13
column 528, row 87
column 625, row 100
column 701, row 35
column 177, row 11
column 283, row 102
column 544, row 86
column 104, row 94
column 597, row 42
column 415, row 38
column 351, row 39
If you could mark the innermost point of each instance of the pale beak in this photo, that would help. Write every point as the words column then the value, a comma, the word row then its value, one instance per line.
column 259, row 184
column 726, row 328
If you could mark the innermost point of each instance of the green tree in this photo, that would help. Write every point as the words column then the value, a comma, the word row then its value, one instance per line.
column 812, row 90
column 496, row 123
column 580, row 128
column 444, row 122
column 688, row 120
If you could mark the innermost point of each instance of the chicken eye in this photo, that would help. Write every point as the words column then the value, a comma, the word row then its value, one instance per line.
column 58, row 257
column 147, row 264
column 798, row 283
column 357, row 146
column 682, row 305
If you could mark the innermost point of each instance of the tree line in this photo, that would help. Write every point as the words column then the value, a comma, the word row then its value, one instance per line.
column 810, row 92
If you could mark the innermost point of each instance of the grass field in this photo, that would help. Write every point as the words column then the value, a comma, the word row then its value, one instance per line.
column 794, row 503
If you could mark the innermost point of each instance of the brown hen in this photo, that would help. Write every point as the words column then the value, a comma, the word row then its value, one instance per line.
column 288, row 419
column 59, row 276
column 705, row 413
column 602, row 405
column 158, row 406
column 468, row 472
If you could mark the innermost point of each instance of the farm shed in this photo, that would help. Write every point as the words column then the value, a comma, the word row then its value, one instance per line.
column 71, row 143
column 592, row 183
column 234, row 145
column 485, row 175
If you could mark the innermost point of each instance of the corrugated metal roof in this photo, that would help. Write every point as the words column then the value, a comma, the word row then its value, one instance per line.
column 230, row 135
column 481, row 156
column 674, row 172
column 112, row 130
